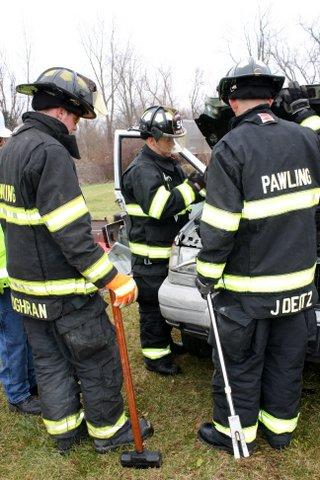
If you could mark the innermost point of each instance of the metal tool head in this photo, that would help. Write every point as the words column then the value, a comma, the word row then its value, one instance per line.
column 237, row 437
column 145, row 459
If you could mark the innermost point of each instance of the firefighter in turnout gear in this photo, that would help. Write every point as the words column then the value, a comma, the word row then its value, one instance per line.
column 157, row 195
column 259, row 254
column 55, row 268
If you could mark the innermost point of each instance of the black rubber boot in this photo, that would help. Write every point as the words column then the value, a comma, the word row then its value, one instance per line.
column 64, row 445
column 209, row 435
column 29, row 406
column 163, row 366
column 124, row 436
column 177, row 348
column 278, row 441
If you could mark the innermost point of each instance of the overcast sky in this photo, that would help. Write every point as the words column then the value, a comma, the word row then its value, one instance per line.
column 182, row 34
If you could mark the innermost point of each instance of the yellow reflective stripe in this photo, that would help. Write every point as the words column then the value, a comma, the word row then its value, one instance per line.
column 187, row 193
column 278, row 425
column 56, row 427
column 268, row 283
column 149, row 251
column 312, row 122
column 155, row 353
column 223, row 219
column 135, row 210
column 20, row 216
column 107, row 431
column 203, row 192
column 66, row 214
column 250, row 433
column 98, row 269
column 159, row 201
column 53, row 287
column 289, row 202
column 210, row 270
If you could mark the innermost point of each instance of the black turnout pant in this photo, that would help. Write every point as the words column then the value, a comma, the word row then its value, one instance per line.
column 264, row 361
column 74, row 353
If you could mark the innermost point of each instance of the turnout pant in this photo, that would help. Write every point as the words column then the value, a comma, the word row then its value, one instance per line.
column 78, row 352
column 16, row 364
column 264, row 361
column 155, row 333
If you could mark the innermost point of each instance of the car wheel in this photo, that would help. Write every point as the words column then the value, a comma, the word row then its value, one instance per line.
column 196, row 346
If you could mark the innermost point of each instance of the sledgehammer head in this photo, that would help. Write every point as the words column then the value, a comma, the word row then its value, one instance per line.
column 145, row 459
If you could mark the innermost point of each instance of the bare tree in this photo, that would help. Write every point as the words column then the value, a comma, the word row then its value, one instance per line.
column 11, row 105
column 196, row 96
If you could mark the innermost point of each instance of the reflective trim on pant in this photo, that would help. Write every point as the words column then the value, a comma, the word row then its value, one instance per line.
column 250, row 433
column 155, row 353
column 107, row 431
column 278, row 425
column 64, row 425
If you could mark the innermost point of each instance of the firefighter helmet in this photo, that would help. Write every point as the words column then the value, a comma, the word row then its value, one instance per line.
column 160, row 122
column 247, row 79
column 67, row 85
column 4, row 132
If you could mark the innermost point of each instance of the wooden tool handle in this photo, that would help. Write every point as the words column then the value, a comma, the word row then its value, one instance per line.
column 132, row 404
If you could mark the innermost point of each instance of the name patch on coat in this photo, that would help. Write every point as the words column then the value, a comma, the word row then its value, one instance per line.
column 37, row 310
column 284, row 180
column 292, row 304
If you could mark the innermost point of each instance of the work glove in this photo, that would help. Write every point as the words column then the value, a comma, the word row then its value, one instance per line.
column 204, row 287
column 295, row 100
column 197, row 181
column 125, row 289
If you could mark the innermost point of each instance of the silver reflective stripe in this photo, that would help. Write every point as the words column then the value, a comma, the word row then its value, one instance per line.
column 149, row 251
column 250, row 433
column 155, row 353
column 108, row 430
column 99, row 269
column 210, row 270
column 135, row 210
column 20, row 216
column 268, row 283
column 187, row 193
column 3, row 273
column 312, row 122
column 289, row 202
column 278, row 425
column 53, row 287
column 223, row 219
column 65, row 214
column 57, row 427
column 158, row 202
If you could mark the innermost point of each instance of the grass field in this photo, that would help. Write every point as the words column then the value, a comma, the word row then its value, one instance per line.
column 100, row 200
column 176, row 407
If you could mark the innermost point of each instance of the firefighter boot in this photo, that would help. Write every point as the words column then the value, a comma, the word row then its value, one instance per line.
column 124, row 436
column 278, row 441
column 29, row 406
column 64, row 445
column 209, row 435
column 163, row 366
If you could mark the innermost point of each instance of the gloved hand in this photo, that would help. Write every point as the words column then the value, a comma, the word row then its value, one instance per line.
column 295, row 98
column 125, row 289
column 197, row 181
column 204, row 287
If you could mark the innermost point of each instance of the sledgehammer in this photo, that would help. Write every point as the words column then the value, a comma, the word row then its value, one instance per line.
column 141, row 458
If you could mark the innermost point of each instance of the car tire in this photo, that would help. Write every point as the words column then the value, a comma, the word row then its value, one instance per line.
column 196, row 346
